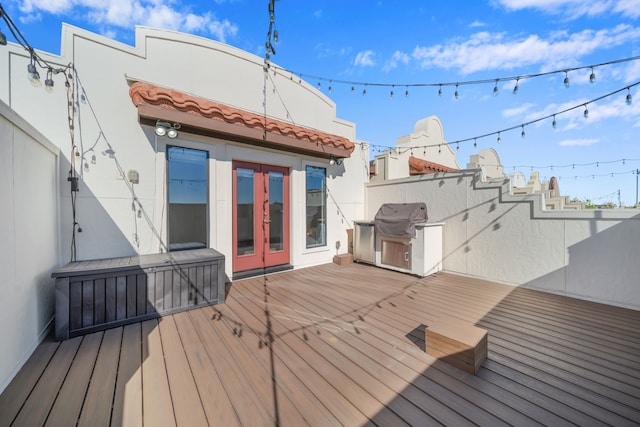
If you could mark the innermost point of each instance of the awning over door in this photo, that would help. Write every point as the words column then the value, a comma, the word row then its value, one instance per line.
column 205, row 117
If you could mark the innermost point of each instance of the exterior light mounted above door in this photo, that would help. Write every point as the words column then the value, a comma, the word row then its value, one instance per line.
column 167, row 129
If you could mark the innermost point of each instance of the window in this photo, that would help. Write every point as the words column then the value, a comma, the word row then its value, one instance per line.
column 187, row 175
column 316, row 207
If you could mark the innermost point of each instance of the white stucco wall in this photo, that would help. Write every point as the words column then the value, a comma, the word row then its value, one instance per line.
column 425, row 142
column 105, row 117
column 491, row 234
column 29, row 243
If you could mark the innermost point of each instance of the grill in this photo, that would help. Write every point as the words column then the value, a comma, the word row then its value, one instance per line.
column 401, row 239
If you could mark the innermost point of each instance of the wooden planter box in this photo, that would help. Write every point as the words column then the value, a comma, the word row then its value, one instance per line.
column 101, row 294
column 458, row 343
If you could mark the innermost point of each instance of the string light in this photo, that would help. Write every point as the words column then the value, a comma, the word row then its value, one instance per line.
column 391, row 93
column 499, row 139
column 495, row 89
column 522, row 133
column 48, row 83
column 554, row 123
column 566, row 79
column 592, row 76
column 406, row 92
column 515, row 88
column 574, row 165
column 629, row 97
column 493, row 81
column 456, row 94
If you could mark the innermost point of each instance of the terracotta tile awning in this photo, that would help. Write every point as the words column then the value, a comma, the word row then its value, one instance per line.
column 205, row 117
column 422, row 167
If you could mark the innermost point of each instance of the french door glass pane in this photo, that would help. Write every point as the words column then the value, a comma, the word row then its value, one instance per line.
column 276, row 211
column 245, row 208
column 187, row 188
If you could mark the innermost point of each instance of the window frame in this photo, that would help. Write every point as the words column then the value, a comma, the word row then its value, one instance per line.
column 311, row 233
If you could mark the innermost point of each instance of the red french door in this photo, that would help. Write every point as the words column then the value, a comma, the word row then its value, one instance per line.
column 260, row 216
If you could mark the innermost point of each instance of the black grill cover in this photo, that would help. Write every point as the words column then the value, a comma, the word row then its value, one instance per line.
column 399, row 219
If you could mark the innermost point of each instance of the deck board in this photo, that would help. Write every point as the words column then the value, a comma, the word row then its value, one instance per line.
column 67, row 407
column 157, row 405
column 96, row 411
column 342, row 345
column 39, row 403
column 127, row 400
column 186, row 401
column 16, row 393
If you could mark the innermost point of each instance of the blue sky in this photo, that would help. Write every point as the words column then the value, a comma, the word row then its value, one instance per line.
column 409, row 45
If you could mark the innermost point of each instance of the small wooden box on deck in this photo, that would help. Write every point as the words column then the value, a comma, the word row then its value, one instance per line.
column 458, row 343
column 343, row 259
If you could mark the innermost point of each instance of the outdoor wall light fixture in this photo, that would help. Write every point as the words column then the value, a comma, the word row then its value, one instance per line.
column 334, row 161
column 167, row 129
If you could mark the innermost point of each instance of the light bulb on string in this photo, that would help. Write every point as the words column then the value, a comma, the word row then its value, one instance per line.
column 330, row 88
column 48, row 83
column 586, row 112
column 566, row 79
column 592, row 76
column 440, row 90
column 364, row 92
column 495, row 89
column 499, row 139
column 554, row 124
column 629, row 97
column 475, row 143
column 522, row 134
column 515, row 88
column 391, row 93
column 406, row 92
column 32, row 72
column 456, row 94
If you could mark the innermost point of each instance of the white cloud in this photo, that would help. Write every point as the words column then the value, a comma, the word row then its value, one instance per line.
column 477, row 24
column 573, row 9
column 584, row 142
column 496, row 51
column 364, row 59
column 128, row 13
column 517, row 111
column 398, row 57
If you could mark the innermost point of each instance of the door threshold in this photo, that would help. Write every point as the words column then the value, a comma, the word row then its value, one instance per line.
column 260, row 271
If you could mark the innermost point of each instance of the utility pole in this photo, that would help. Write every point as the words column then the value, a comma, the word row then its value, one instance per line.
column 637, row 173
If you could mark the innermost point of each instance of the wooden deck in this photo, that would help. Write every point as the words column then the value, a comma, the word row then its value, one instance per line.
column 342, row 345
